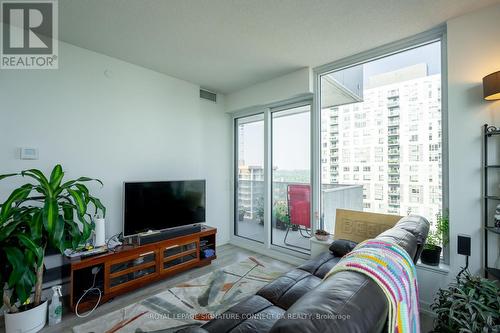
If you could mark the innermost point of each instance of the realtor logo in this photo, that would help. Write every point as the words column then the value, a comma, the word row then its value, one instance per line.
column 29, row 35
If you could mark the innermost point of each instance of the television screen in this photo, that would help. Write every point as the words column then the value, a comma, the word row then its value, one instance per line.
column 160, row 205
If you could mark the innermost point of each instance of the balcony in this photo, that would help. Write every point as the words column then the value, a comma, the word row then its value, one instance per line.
column 393, row 142
column 393, row 180
column 393, row 151
column 250, row 215
column 393, row 131
column 394, row 113
column 393, row 103
column 393, row 93
column 393, row 171
column 393, row 122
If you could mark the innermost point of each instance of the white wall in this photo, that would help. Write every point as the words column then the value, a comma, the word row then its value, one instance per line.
column 275, row 90
column 473, row 52
column 135, row 125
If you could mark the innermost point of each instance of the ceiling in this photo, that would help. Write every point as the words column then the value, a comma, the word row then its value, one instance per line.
column 227, row 45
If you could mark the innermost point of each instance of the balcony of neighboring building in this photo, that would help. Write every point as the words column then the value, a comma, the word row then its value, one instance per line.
column 393, row 122
column 393, row 151
column 393, row 142
column 393, row 113
column 393, row 103
column 393, row 180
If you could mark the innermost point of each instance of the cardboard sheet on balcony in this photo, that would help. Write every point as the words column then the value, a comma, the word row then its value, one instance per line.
column 359, row 226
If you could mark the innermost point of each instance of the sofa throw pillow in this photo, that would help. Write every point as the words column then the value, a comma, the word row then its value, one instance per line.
column 341, row 247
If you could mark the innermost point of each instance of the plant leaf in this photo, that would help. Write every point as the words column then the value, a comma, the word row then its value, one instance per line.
column 5, row 231
column 40, row 177
column 36, row 226
column 8, row 175
column 57, row 238
column 79, row 201
column 50, row 214
column 18, row 194
column 35, row 248
column 56, row 177
column 15, row 258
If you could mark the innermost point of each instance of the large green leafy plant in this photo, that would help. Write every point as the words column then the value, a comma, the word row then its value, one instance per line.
column 44, row 212
column 470, row 305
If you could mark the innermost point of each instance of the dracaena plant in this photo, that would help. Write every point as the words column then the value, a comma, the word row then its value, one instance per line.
column 43, row 212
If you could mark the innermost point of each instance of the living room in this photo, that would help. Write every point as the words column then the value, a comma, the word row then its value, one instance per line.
column 236, row 150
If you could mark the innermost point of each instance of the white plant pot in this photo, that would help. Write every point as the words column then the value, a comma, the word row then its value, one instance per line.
column 29, row 321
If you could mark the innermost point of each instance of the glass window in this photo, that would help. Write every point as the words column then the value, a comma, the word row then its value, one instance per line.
column 394, row 104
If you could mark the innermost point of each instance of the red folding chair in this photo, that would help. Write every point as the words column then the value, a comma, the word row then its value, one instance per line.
column 299, row 209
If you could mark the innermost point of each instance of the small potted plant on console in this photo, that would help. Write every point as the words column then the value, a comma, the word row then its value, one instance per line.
column 321, row 235
column 45, row 212
column 438, row 237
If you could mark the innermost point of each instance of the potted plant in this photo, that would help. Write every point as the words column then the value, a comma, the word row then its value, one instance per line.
column 241, row 214
column 281, row 215
column 321, row 235
column 259, row 210
column 472, row 304
column 437, row 238
column 42, row 213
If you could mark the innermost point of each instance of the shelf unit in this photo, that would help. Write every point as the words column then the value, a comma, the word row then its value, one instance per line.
column 133, row 266
column 488, row 229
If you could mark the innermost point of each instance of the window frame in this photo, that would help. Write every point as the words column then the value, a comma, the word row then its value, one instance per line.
column 434, row 35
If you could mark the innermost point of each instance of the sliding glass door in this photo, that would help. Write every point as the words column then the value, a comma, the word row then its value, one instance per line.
column 291, row 177
column 249, row 177
column 273, row 177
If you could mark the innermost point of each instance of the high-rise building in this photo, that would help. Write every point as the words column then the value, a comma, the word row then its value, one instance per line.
column 390, row 143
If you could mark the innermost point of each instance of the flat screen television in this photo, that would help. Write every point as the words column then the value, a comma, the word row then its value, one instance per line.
column 160, row 205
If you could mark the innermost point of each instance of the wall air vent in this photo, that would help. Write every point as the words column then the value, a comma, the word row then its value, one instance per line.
column 208, row 95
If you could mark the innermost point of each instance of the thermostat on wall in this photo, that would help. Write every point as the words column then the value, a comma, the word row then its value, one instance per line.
column 29, row 153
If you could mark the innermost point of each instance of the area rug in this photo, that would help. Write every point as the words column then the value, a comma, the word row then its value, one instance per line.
column 190, row 303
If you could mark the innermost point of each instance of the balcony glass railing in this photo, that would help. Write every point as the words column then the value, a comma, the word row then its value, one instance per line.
column 251, row 209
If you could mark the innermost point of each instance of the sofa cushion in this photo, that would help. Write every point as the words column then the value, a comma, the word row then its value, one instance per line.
column 255, row 314
column 289, row 287
column 320, row 265
column 344, row 302
column 341, row 247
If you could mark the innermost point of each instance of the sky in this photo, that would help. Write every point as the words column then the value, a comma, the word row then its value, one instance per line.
column 291, row 134
column 291, row 142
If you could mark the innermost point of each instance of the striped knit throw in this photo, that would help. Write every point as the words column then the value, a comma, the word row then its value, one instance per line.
column 393, row 270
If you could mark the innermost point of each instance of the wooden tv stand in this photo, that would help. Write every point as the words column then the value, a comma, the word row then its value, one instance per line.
column 131, row 266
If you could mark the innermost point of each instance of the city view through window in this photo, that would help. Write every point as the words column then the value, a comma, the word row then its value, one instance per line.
column 388, row 140
column 381, row 149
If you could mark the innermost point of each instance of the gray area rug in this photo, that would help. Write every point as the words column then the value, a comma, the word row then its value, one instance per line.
column 190, row 303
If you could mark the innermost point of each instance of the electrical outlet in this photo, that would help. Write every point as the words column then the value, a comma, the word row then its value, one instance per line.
column 463, row 245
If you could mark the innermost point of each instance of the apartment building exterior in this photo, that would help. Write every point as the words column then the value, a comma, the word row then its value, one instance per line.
column 390, row 143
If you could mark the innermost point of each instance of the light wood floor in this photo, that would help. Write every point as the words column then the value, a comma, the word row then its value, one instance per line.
column 226, row 255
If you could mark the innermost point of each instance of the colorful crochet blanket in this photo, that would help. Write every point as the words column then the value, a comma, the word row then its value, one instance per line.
column 393, row 270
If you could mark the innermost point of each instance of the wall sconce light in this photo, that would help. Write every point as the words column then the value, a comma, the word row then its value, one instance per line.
column 491, row 86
